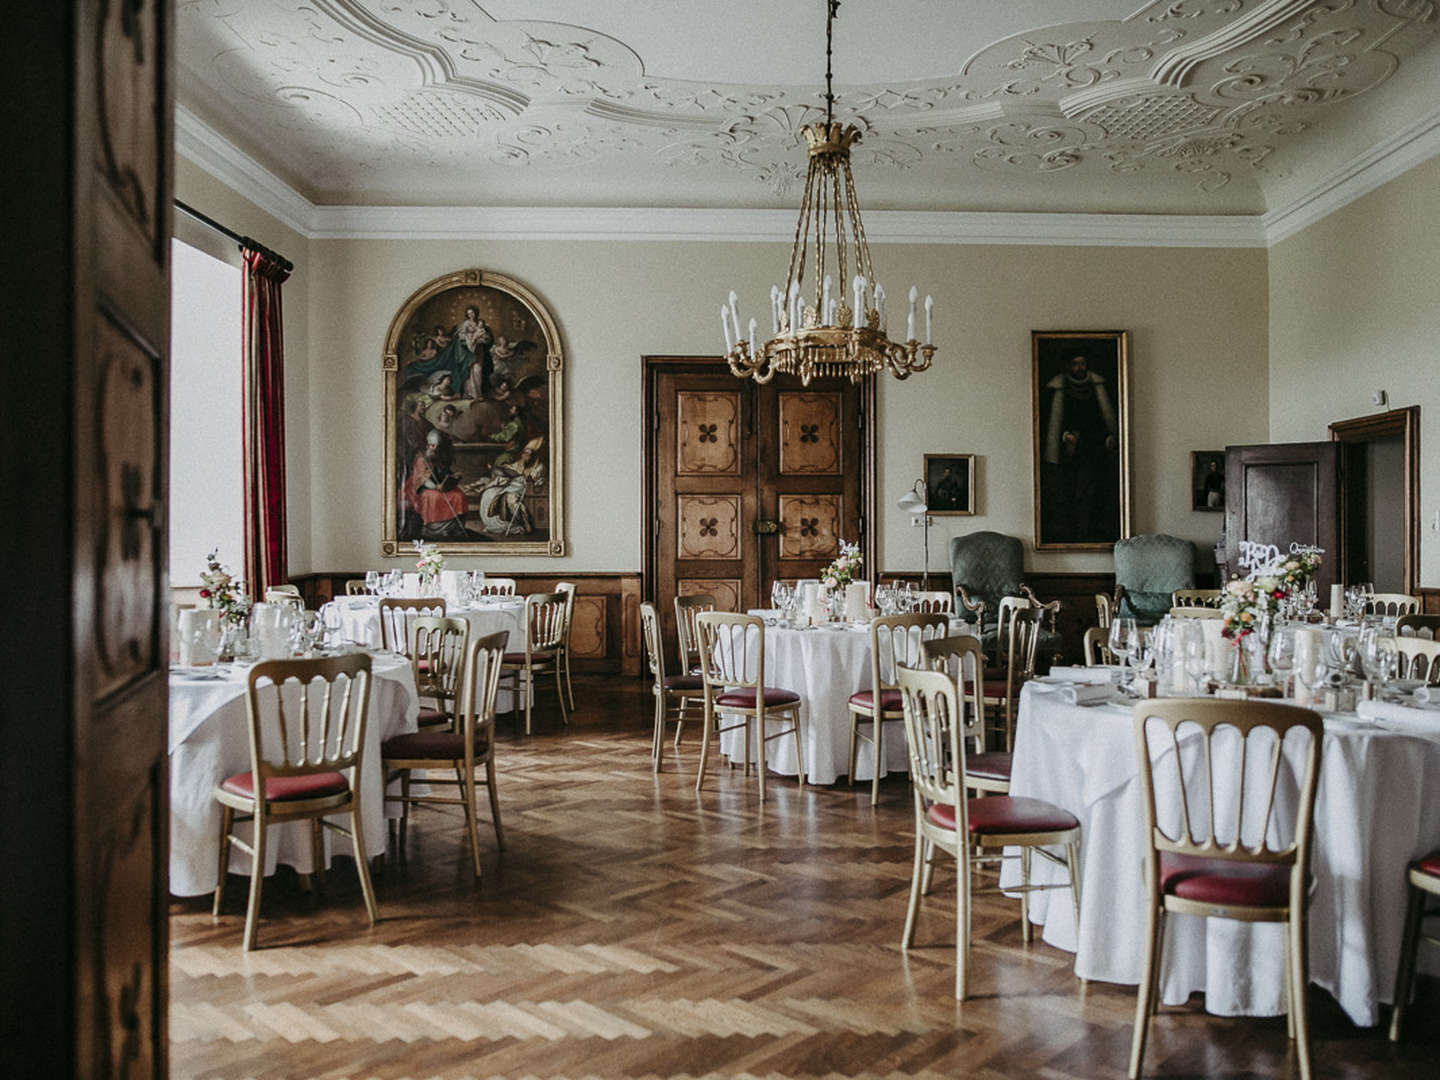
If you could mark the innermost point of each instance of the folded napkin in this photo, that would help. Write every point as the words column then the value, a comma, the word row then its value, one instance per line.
column 1424, row 720
column 1098, row 676
column 1079, row 693
column 1428, row 695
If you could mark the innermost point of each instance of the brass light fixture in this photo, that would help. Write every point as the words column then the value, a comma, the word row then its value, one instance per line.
column 815, row 334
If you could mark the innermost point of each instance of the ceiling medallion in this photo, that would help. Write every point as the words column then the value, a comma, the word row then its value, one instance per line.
column 828, row 337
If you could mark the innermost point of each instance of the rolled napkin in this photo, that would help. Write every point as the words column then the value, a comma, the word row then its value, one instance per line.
column 1406, row 718
column 1079, row 693
column 1094, row 676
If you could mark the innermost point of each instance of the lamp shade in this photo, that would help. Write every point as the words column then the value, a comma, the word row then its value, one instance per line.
column 912, row 503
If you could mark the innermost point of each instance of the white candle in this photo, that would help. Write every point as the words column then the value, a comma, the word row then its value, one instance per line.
column 910, row 319
column 794, row 306
column 1337, row 601
column 734, row 315
column 774, row 310
column 880, row 304
column 752, row 337
column 830, row 312
column 725, row 325
column 859, row 301
column 825, row 300
column 929, row 307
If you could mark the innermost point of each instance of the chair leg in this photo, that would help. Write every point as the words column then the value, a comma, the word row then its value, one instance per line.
column 317, row 855
column 929, row 869
column 1289, row 992
column 657, row 737
column 404, row 810
column 1026, row 933
column 760, row 745
column 560, row 693
column 1405, row 975
column 1159, row 967
column 257, row 879
column 362, row 861
column 799, row 750
column 1144, row 1004
column 569, row 687
column 854, row 741
column 916, row 872
column 1300, row 981
column 709, row 723
column 494, row 801
column 529, row 695
column 227, row 818
column 962, row 921
column 1072, row 862
column 877, row 743
column 680, row 721
column 468, row 794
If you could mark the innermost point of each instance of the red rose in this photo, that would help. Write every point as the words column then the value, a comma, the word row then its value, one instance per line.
column 204, row 594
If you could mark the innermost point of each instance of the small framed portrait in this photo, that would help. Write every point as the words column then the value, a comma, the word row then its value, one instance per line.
column 950, row 483
column 1080, row 415
column 1207, row 480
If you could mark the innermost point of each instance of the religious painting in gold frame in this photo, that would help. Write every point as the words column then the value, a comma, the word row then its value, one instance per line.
column 1080, row 396
column 474, row 436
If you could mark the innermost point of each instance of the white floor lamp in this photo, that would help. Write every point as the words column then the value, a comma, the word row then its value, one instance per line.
column 914, row 502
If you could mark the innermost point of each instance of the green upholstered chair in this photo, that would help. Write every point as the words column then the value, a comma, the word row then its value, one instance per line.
column 1147, row 570
column 986, row 566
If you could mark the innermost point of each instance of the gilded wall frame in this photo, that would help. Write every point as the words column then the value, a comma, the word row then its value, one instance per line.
column 1080, row 419
column 474, row 420
column 950, row 484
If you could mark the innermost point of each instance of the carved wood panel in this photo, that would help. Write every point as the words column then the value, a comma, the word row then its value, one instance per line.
column 726, row 591
column 128, row 456
column 587, row 628
column 709, row 526
column 708, row 438
column 809, row 433
column 810, row 526
column 131, row 65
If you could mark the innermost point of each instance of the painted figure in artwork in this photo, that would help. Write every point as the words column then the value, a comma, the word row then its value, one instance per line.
column 465, row 352
column 432, row 491
column 1081, row 453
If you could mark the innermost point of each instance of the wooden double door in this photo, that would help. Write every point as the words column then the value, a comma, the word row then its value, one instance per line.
column 748, row 483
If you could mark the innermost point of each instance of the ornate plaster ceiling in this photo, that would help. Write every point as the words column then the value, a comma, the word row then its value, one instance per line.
column 1181, row 106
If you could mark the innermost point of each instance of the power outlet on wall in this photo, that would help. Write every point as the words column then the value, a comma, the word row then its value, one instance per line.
column 1435, row 522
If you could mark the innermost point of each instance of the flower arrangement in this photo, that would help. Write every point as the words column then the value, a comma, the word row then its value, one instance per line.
column 842, row 570
column 1247, row 601
column 1298, row 569
column 220, row 590
column 430, row 562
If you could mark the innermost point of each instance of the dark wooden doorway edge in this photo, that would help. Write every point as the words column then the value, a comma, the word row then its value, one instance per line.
column 651, row 366
column 1405, row 423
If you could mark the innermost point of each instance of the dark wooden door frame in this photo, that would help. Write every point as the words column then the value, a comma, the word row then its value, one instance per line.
column 651, row 367
column 1405, row 423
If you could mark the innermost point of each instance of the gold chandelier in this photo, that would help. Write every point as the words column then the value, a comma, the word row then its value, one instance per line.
column 827, row 336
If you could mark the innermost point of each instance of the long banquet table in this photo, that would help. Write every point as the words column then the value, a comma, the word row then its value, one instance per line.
column 1370, row 819
column 209, row 740
column 360, row 619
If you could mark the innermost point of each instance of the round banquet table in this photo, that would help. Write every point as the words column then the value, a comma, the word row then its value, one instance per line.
column 360, row 619
column 210, row 740
column 1371, row 819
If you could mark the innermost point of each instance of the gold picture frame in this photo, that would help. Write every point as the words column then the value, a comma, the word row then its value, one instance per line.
column 473, row 392
column 950, row 484
column 1081, row 460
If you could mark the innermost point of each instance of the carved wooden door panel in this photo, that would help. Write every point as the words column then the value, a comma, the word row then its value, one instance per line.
column 1282, row 493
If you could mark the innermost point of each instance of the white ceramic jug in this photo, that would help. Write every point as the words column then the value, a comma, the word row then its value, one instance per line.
column 199, row 633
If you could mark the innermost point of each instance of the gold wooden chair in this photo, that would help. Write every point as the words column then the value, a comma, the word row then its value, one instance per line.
column 396, row 615
column 895, row 642
column 934, row 601
column 1423, row 877
column 1104, row 610
column 1391, row 603
column 1191, row 611
column 1419, row 659
column 1196, row 866
column 947, row 820
column 687, row 641
column 1020, row 633
column 682, row 690
column 1418, row 625
column 544, row 623
column 285, row 594
column 462, row 750
column 568, row 588
column 1201, row 598
column 300, row 751
column 356, row 587
column 496, row 586
column 1097, row 647
column 732, row 663
column 436, row 646
column 963, row 660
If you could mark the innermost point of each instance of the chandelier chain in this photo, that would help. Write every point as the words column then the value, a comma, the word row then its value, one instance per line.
column 829, row 73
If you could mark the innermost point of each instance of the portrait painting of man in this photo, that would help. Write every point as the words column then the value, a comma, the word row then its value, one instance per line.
column 950, row 483
column 1081, row 427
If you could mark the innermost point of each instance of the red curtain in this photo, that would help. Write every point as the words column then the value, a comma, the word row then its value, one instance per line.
column 264, row 423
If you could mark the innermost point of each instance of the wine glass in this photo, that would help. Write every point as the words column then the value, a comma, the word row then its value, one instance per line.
column 779, row 595
column 1282, row 655
column 372, row 582
column 1387, row 657
column 1122, row 632
column 885, row 598
column 1193, row 650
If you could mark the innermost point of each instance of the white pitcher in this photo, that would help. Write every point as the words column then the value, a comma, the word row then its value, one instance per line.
column 199, row 634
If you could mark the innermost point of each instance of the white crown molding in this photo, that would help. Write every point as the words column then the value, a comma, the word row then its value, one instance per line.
column 205, row 147
column 1383, row 162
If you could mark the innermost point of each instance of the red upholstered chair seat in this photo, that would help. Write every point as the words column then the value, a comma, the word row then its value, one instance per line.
column 1430, row 864
column 519, row 657
column 1001, row 814
column 431, row 717
column 745, row 698
column 989, row 766
column 992, row 688
column 684, row 682
column 429, row 745
column 1224, row 881
column 289, row 788
column 890, row 700
column 422, row 664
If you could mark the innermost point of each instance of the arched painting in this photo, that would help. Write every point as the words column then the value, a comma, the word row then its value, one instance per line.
column 474, row 460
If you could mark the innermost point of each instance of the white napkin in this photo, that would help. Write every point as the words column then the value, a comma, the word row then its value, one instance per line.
column 1407, row 718
column 1096, row 676
column 1079, row 693
column 1428, row 695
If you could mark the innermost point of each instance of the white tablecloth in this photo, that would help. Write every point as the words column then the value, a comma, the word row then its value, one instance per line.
column 1371, row 819
column 209, row 740
column 360, row 619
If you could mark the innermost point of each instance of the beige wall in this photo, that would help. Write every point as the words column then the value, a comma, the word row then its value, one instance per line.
column 1197, row 319
column 1353, row 309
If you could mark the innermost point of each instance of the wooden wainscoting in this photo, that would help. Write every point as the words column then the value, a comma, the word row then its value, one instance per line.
column 605, row 636
column 1429, row 601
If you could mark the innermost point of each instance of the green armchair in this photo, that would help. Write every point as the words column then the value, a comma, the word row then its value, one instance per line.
column 1147, row 570
column 986, row 566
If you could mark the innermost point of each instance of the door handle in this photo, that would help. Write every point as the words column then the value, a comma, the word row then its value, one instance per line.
column 765, row 527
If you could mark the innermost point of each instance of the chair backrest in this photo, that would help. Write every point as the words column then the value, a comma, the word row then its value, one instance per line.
column 686, row 640
column 568, row 588
column 1194, row 612
column 896, row 641
column 962, row 660
column 1148, row 569
column 941, row 601
column 1235, row 783
column 496, row 586
column 545, row 625
column 293, row 730
column 1097, row 647
column 288, row 589
column 1018, row 656
column 285, row 594
column 396, row 614
column 475, row 705
column 1419, row 659
column 1417, row 625
column 987, row 565
column 650, row 631
column 1104, row 610
column 437, row 647
column 355, row 587
column 933, row 739
column 732, row 650
column 1196, row 598
column 1391, row 603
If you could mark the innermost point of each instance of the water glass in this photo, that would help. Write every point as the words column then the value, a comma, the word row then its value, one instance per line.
column 1124, row 640
column 372, row 581
column 1282, row 655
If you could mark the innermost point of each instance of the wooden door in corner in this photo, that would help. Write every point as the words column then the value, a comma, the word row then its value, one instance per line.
column 748, row 483
column 1283, row 493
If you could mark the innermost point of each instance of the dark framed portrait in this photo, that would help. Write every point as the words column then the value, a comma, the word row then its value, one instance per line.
column 1207, row 480
column 1080, row 396
column 474, row 444
column 950, row 483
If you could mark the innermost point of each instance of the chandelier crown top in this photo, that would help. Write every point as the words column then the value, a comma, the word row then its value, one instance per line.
column 830, row 138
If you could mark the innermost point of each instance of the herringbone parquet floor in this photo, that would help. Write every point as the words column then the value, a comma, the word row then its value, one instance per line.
column 632, row 929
